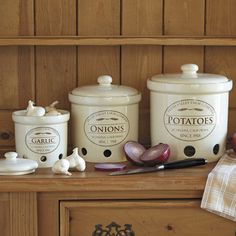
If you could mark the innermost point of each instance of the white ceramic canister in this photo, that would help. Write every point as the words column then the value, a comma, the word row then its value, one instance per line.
column 104, row 117
column 43, row 139
column 189, row 111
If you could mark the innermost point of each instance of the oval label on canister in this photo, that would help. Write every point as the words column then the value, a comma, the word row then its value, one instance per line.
column 42, row 140
column 106, row 128
column 190, row 119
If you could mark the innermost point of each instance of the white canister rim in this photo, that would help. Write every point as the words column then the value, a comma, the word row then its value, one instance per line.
column 173, row 88
column 20, row 117
column 189, row 82
column 104, row 101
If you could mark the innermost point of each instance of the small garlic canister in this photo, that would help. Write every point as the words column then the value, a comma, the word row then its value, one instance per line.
column 41, row 138
column 104, row 117
column 189, row 111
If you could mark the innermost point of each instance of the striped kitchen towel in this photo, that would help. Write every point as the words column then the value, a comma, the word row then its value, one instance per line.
column 219, row 196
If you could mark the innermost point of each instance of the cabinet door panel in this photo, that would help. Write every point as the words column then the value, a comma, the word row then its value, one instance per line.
column 4, row 216
column 151, row 218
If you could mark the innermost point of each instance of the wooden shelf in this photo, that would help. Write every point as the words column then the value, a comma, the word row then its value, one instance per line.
column 189, row 179
column 117, row 40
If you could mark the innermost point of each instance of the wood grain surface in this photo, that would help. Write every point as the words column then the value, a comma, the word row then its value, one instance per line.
column 23, row 212
column 172, row 62
column 144, row 217
column 56, row 66
column 220, row 20
column 98, row 18
column 184, row 17
column 190, row 179
column 101, row 17
column 16, row 63
column 220, row 17
column 138, row 64
column 5, row 214
column 142, row 18
column 118, row 40
column 141, row 62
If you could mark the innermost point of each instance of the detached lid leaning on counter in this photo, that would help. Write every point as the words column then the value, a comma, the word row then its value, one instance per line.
column 12, row 165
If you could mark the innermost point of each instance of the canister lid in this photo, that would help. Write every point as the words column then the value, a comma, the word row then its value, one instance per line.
column 189, row 81
column 104, row 93
column 13, row 165
column 21, row 117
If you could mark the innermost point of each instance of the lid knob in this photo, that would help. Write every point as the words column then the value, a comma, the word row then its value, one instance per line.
column 189, row 69
column 104, row 80
column 10, row 155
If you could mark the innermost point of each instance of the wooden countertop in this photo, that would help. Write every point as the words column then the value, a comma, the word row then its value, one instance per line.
column 190, row 181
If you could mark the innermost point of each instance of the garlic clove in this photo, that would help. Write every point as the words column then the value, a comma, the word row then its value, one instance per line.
column 61, row 167
column 32, row 110
column 76, row 161
column 73, row 158
column 67, row 173
column 37, row 112
column 51, row 109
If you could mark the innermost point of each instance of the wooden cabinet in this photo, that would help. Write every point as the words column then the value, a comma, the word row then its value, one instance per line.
column 153, row 204
column 142, row 217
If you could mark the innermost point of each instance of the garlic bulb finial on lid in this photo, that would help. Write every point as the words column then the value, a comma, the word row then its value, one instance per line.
column 51, row 109
column 32, row 110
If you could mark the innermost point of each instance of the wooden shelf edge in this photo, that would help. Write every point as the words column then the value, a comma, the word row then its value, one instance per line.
column 117, row 40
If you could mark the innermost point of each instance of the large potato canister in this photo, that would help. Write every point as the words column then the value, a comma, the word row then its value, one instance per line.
column 104, row 117
column 189, row 111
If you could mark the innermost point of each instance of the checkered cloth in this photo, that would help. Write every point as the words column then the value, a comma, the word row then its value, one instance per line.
column 219, row 196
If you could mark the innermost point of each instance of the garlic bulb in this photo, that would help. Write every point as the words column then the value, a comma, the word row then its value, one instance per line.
column 32, row 110
column 81, row 165
column 51, row 110
column 61, row 167
column 76, row 160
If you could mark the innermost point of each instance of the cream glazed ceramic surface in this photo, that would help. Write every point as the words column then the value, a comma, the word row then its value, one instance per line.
column 14, row 165
column 41, row 138
column 189, row 111
column 104, row 117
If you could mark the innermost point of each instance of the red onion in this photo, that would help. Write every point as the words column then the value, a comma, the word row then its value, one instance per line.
column 133, row 150
column 156, row 154
column 109, row 166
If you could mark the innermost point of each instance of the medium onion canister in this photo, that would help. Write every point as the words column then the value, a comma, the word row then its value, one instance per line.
column 104, row 117
column 189, row 111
